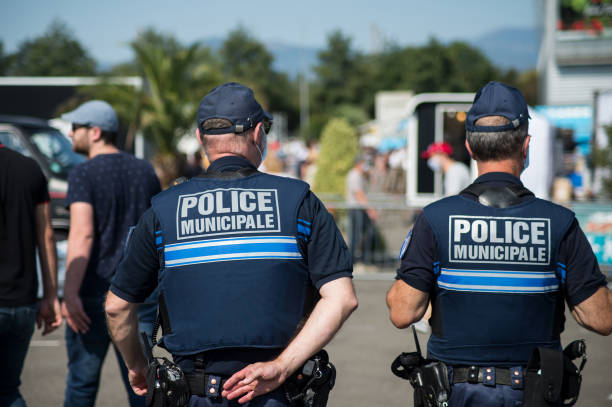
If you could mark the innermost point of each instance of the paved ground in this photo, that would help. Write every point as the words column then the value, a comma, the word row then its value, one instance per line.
column 362, row 352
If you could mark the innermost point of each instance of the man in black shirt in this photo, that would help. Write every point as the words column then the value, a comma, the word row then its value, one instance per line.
column 25, row 224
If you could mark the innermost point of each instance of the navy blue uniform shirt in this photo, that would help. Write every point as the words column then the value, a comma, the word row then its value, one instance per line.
column 319, row 240
column 583, row 274
column 119, row 187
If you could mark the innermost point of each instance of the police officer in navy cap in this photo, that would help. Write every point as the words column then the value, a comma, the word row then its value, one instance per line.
column 497, row 263
column 236, row 254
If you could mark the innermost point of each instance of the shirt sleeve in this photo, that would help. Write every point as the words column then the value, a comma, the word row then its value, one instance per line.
column 417, row 256
column 321, row 243
column 40, row 192
column 136, row 276
column 576, row 257
column 79, row 187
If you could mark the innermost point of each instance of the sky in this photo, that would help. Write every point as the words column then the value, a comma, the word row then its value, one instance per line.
column 105, row 27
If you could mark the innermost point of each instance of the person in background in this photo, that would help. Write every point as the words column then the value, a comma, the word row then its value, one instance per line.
column 456, row 174
column 25, row 226
column 361, row 217
column 107, row 194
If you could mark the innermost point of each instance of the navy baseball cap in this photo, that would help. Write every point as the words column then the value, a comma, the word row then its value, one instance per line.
column 497, row 99
column 95, row 113
column 234, row 102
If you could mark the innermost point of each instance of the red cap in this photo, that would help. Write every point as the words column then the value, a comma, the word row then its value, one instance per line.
column 440, row 147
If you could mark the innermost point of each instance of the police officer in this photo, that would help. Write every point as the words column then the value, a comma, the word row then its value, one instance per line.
column 235, row 252
column 497, row 264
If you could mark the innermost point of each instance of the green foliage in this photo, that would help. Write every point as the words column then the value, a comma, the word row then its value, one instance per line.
column 54, row 53
column 339, row 146
column 246, row 60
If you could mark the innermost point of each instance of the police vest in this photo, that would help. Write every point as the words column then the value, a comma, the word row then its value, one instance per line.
column 233, row 275
column 498, row 293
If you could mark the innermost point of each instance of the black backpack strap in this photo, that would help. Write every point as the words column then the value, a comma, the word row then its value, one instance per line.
column 497, row 197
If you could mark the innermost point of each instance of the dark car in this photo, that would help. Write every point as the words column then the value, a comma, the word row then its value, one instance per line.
column 52, row 150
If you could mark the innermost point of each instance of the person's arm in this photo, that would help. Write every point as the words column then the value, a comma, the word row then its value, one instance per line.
column 122, row 320
column 363, row 200
column 80, row 242
column 595, row 313
column 407, row 305
column 588, row 298
column 338, row 301
column 49, row 313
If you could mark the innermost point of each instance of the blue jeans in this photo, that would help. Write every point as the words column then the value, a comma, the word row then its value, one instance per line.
column 86, row 353
column 16, row 329
column 275, row 398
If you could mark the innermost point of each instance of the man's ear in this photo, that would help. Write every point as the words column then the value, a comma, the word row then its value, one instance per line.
column 467, row 146
column 199, row 136
column 95, row 133
column 526, row 146
column 257, row 133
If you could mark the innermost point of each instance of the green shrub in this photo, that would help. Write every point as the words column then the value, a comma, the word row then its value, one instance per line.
column 339, row 146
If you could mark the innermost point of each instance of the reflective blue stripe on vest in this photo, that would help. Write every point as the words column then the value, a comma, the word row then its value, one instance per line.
column 242, row 248
column 498, row 281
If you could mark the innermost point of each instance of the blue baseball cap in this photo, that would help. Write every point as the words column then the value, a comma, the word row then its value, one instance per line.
column 95, row 113
column 497, row 99
column 234, row 102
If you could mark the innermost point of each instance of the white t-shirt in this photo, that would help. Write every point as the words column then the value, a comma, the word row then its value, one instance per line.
column 456, row 178
column 354, row 182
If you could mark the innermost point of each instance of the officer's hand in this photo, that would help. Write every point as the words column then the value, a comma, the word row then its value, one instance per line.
column 138, row 380
column 49, row 314
column 76, row 318
column 254, row 380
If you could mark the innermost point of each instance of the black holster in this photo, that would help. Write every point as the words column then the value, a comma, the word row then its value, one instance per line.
column 166, row 382
column 310, row 385
column 552, row 379
column 429, row 379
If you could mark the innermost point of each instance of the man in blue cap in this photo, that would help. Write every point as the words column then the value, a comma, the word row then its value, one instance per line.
column 497, row 264
column 237, row 255
column 107, row 194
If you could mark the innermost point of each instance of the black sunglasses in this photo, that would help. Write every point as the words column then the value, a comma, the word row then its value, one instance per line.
column 76, row 126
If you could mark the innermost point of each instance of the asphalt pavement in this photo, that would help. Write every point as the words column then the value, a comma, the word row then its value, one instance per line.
column 362, row 352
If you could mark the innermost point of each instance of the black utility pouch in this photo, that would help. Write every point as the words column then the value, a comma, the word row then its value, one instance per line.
column 551, row 378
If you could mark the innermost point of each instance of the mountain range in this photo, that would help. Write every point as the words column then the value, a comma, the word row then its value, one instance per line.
column 506, row 48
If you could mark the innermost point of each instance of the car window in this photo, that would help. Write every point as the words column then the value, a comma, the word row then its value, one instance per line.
column 56, row 148
column 12, row 141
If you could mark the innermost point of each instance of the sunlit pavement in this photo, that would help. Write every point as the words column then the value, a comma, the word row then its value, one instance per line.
column 362, row 352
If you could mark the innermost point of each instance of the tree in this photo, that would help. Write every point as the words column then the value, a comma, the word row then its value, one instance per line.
column 55, row 53
column 246, row 60
column 339, row 146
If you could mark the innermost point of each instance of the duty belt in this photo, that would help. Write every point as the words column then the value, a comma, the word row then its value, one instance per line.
column 489, row 375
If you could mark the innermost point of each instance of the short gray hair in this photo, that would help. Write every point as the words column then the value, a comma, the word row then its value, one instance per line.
column 495, row 146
